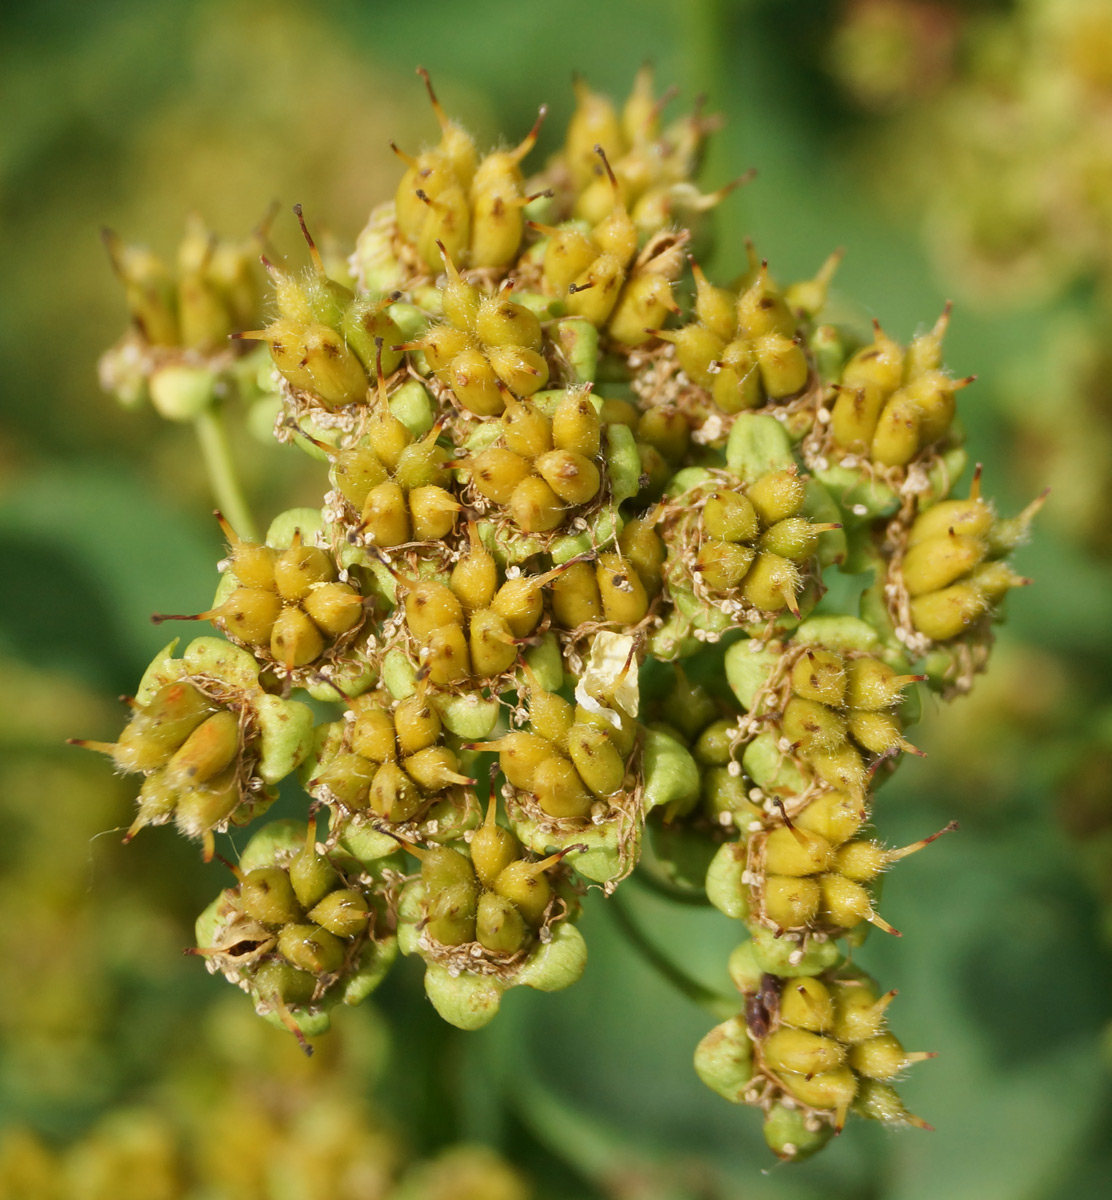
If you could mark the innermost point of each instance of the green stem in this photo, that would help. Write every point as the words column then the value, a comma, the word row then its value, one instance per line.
column 212, row 433
column 714, row 1002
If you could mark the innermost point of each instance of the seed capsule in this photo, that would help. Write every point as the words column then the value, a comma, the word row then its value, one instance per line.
column 310, row 948
column 574, row 478
column 343, row 913
column 559, row 789
column 576, row 426
column 798, row 1050
column 499, row 927
column 267, row 895
column 730, row 516
column 535, row 507
column 417, row 724
column 295, row 641
column 791, row 851
column 597, row 760
column 576, row 599
column 623, row 595
column 208, row 750
column 393, row 795
column 791, row 902
column 335, row 608
column 807, row 1004
column 492, row 847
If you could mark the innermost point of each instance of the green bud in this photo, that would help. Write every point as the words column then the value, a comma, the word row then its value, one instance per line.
column 724, row 1059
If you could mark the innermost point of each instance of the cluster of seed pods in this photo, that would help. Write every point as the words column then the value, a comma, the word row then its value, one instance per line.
column 565, row 479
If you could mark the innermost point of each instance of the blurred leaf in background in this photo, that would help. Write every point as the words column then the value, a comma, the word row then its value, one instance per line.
column 130, row 115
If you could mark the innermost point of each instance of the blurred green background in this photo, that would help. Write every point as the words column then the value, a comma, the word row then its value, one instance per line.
column 922, row 137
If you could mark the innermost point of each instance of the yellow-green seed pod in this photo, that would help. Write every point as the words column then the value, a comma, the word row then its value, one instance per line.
column 623, row 595
column 525, row 885
column 698, row 350
column 933, row 392
column 472, row 379
column 522, row 371
column 311, row 874
column 496, row 473
column 447, row 659
column 842, row 767
column 771, row 583
column 573, row 477
column 622, row 737
column 422, row 463
column 644, row 304
column 202, row 808
column 715, row 307
column 966, row 518
column 837, row 816
column 388, row 437
column 502, row 322
column 417, row 724
column 492, row 847
column 873, row 685
column 493, row 649
column 249, row 614
column 715, row 745
column 474, row 578
column 897, row 437
column 520, row 603
column 854, row 418
column 372, row 731
column 525, row 429
column 844, row 902
column 881, row 1057
column 433, row 511
column 170, row 715
column 761, row 310
column 295, row 641
column 252, row 563
column 206, row 752
column 429, row 605
column 796, row 852
column 798, row 1050
column 385, row 519
column 335, row 608
column 442, row 345
column 519, row 755
column 393, row 795
column 790, row 901
column 550, row 715
column 641, row 546
column 348, row 777
column 995, row 579
column 434, row 768
column 859, row 1012
column 442, row 867
column 827, row 1090
column 737, row 382
column 794, row 538
column 723, row 565
column 811, row 725
column 783, row 365
column 806, row 1003
column 575, row 596
column 559, row 790
column 936, row 562
column 310, row 948
column 820, row 675
column 451, row 912
column 877, row 732
column 576, row 426
column 620, row 412
column 600, row 765
column 568, row 253
column 861, row 861
column 595, row 292
column 267, row 895
column 667, row 430
column 777, row 495
column 730, row 516
column 355, row 472
column 499, row 927
column 317, row 360
column 948, row 613
column 343, row 913
column 535, row 507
